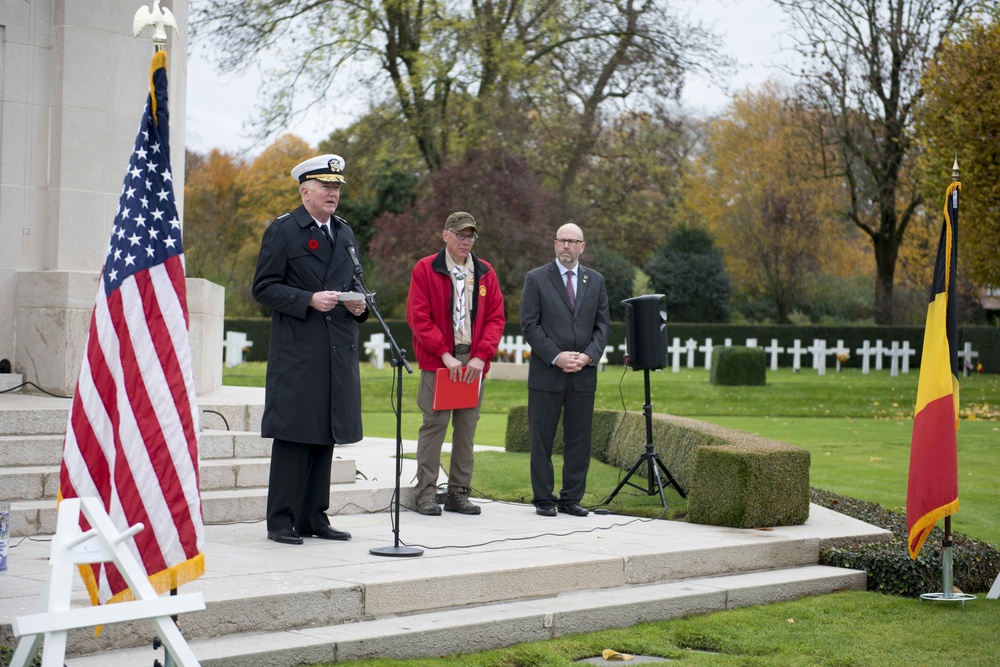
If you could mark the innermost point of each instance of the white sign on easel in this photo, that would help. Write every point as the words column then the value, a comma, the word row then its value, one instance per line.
column 103, row 543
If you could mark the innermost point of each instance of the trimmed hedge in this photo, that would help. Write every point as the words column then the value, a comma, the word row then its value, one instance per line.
column 738, row 366
column 732, row 478
column 891, row 570
column 985, row 339
column 517, row 438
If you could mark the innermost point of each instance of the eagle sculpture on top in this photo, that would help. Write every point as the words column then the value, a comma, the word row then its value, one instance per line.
column 158, row 18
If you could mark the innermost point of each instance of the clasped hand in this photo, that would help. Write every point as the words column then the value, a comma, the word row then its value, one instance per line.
column 572, row 362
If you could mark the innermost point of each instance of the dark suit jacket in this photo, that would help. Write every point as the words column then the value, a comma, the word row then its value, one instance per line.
column 550, row 326
column 313, row 392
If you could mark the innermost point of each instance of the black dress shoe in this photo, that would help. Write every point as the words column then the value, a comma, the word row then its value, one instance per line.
column 545, row 509
column 327, row 533
column 574, row 509
column 284, row 536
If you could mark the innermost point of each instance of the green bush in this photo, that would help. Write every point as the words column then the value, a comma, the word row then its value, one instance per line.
column 749, row 484
column 738, row 365
column 891, row 570
column 518, row 439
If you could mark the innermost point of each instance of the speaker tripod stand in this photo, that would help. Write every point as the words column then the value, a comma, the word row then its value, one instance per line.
column 654, row 483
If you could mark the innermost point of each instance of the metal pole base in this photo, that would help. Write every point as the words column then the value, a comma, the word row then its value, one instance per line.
column 948, row 597
column 396, row 551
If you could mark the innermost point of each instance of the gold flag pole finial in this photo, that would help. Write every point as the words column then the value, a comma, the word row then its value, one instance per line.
column 954, row 169
column 160, row 19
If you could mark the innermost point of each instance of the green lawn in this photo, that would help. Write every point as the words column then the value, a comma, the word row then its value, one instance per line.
column 838, row 630
column 858, row 427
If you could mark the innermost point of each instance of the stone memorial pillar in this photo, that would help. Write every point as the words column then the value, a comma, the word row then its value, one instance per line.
column 73, row 85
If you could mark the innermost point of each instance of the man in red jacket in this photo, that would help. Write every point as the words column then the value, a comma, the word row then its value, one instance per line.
column 455, row 310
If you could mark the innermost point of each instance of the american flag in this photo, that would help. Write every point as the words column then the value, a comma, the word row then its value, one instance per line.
column 132, row 436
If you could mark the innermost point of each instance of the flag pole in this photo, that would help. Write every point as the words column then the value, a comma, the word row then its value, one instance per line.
column 160, row 19
column 947, row 593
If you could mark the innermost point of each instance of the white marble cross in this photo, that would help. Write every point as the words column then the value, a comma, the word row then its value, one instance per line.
column 774, row 351
column 839, row 350
column 675, row 351
column 865, row 352
column 878, row 351
column 375, row 349
column 967, row 355
column 515, row 345
column 602, row 364
column 797, row 351
column 818, row 351
column 751, row 342
column 894, row 354
column 233, row 346
column 692, row 347
column 707, row 349
column 907, row 352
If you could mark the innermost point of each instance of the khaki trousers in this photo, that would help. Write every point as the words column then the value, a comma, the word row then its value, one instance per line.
column 432, row 434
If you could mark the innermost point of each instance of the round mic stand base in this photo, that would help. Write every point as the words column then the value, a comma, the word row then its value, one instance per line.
column 395, row 551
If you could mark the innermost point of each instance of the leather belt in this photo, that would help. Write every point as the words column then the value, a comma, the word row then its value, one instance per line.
column 462, row 349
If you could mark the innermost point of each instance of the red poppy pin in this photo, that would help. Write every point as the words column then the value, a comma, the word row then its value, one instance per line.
column 313, row 244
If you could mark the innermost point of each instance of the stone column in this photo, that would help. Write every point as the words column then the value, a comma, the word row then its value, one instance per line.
column 75, row 82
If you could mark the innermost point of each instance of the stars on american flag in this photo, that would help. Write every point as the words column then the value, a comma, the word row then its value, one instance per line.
column 147, row 229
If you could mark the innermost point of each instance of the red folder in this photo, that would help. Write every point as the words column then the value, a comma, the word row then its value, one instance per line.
column 451, row 395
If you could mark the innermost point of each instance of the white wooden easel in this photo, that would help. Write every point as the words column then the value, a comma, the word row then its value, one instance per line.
column 994, row 590
column 103, row 543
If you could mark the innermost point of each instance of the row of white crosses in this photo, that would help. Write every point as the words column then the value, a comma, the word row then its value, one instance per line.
column 899, row 354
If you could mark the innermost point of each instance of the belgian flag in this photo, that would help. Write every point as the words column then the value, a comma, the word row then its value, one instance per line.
column 932, row 492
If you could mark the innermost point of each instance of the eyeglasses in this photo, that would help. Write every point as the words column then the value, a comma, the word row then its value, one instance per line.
column 465, row 237
column 570, row 242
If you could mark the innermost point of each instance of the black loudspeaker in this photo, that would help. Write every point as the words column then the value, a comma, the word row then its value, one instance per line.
column 646, row 331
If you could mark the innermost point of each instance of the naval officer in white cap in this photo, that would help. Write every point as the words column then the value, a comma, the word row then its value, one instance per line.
column 313, row 394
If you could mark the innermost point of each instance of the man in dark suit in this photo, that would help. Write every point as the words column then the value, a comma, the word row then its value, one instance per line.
column 565, row 320
column 313, row 390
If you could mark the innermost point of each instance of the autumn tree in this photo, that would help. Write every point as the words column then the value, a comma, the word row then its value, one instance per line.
column 266, row 183
column 517, row 218
column 760, row 189
column 383, row 168
column 632, row 182
column 214, row 235
column 960, row 115
column 863, row 73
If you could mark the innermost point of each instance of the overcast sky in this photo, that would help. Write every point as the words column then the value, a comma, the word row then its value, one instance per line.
column 219, row 106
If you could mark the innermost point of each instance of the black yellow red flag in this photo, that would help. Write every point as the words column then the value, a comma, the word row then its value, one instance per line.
column 932, row 491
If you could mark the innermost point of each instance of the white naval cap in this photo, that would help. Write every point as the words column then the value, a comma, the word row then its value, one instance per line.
column 326, row 168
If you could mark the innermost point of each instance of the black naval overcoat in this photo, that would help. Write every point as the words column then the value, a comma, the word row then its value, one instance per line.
column 313, row 390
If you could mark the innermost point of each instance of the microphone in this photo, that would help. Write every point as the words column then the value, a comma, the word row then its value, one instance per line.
column 354, row 260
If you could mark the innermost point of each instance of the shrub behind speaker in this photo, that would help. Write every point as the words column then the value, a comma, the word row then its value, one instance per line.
column 646, row 331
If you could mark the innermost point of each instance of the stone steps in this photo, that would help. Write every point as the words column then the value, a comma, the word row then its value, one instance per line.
column 221, row 503
column 24, row 483
column 490, row 626
column 256, row 586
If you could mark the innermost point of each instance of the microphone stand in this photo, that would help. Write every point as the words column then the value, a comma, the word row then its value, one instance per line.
column 399, row 363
